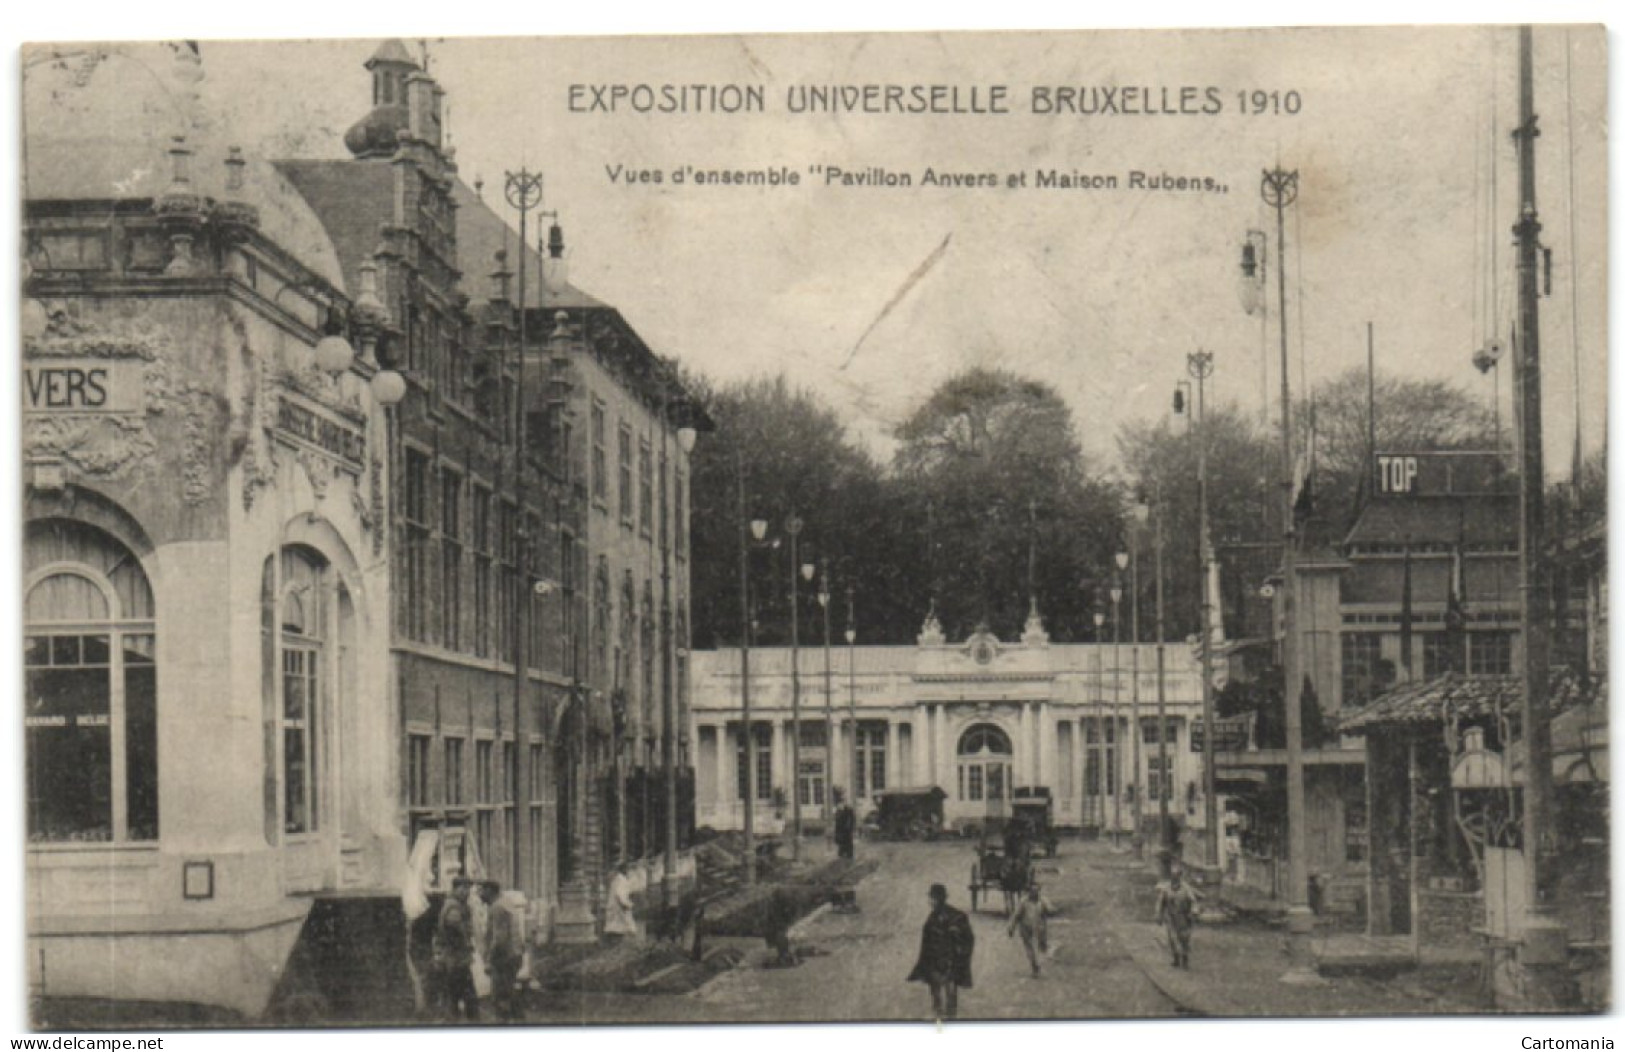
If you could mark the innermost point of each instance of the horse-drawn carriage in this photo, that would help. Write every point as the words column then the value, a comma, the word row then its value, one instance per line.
column 996, row 870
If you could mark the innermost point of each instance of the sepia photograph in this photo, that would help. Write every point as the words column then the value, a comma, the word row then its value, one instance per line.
column 926, row 527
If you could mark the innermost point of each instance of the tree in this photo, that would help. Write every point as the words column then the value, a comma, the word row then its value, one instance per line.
column 1243, row 498
column 990, row 471
column 1411, row 416
column 795, row 457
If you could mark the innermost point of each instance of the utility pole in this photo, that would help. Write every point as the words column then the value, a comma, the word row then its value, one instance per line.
column 793, row 528
column 523, row 190
column 1543, row 955
column 1165, row 777
column 1131, row 559
column 1200, row 367
column 829, row 710
column 749, row 730
column 852, row 697
column 1279, row 190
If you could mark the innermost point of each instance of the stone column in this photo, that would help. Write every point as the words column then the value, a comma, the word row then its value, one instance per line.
column 781, row 759
column 922, row 747
column 1045, row 745
column 893, row 757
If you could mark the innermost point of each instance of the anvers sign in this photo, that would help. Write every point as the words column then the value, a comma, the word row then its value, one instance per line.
column 68, row 385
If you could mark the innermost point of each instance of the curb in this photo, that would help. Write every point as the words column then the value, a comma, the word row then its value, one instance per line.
column 1144, row 951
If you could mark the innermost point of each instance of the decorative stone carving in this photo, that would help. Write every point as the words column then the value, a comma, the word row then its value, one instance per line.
column 931, row 631
column 1033, row 634
column 98, row 445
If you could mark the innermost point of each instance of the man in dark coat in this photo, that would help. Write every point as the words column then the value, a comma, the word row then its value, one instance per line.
column 454, row 953
column 846, row 824
column 946, row 943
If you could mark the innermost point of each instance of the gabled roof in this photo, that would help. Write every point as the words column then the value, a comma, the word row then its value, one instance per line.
column 1478, row 521
column 481, row 233
column 1463, row 695
column 354, row 200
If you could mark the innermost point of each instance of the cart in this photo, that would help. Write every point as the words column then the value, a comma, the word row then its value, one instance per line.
column 909, row 814
column 1034, row 807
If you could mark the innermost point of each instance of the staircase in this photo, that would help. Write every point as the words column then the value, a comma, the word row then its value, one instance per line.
column 576, row 922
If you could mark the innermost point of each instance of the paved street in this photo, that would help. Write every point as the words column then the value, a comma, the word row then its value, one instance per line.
column 858, row 962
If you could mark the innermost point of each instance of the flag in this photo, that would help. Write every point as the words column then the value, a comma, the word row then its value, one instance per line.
column 1405, row 622
column 1455, row 613
column 1303, row 475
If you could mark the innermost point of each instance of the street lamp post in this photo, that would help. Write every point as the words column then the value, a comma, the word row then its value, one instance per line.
column 792, row 526
column 686, row 436
column 523, row 190
column 748, row 732
column 829, row 710
column 1143, row 512
column 1100, row 723
column 1200, row 366
column 852, row 700
column 1117, row 721
column 1279, row 190
column 1131, row 560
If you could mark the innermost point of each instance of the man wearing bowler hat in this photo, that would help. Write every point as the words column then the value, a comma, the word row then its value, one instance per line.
column 946, row 943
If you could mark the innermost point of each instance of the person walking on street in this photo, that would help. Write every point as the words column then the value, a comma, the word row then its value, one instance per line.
column 1029, row 919
column 946, row 944
column 1176, row 911
column 619, row 920
column 454, row 953
column 846, row 824
column 504, row 950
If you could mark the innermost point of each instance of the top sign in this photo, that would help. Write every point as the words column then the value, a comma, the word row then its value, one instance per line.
column 1437, row 473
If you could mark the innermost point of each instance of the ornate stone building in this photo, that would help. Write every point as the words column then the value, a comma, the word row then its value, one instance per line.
column 976, row 718
column 272, row 624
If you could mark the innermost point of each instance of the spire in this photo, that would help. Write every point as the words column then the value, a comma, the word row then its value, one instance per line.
column 376, row 134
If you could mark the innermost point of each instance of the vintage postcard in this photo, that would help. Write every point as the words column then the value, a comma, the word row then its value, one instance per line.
column 815, row 528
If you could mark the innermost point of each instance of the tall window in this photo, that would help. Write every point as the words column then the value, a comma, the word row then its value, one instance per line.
column 1437, row 658
column 538, row 799
column 1157, row 780
column 505, row 787
column 646, row 500
column 1489, row 653
column 1100, row 757
column 600, row 600
column 507, row 577
column 453, row 771
column 417, row 770
column 1361, row 653
column 88, row 655
column 415, row 595
column 871, row 770
column 763, row 741
column 451, row 559
column 304, row 637
column 600, row 455
column 984, row 763
column 679, row 516
column 484, row 798
column 648, row 647
column 627, row 509
column 480, row 541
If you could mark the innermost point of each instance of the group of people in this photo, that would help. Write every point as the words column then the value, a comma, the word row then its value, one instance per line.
column 947, row 940
column 452, row 991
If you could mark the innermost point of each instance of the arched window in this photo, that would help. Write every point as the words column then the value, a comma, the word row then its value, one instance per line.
column 305, row 637
column 984, row 763
column 91, row 682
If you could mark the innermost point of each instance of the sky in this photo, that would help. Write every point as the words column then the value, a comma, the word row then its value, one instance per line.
column 872, row 296
column 1398, row 138
column 1100, row 295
